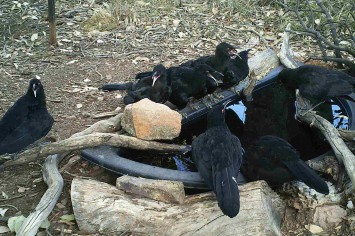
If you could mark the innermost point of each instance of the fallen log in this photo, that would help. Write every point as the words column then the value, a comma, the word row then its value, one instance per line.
column 55, row 184
column 104, row 209
column 263, row 62
column 93, row 140
column 341, row 151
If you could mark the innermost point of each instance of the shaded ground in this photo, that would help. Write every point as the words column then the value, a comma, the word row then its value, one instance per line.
column 84, row 60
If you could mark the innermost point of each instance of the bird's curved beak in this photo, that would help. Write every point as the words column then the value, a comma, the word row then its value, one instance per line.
column 34, row 88
column 155, row 77
column 215, row 80
column 233, row 52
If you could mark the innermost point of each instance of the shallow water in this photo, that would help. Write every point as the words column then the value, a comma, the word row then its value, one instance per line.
column 270, row 113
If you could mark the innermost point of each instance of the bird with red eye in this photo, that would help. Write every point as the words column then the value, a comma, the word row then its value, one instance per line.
column 217, row 154
column 26, row 121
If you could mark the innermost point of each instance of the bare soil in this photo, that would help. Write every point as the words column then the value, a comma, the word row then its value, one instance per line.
column 83, row 60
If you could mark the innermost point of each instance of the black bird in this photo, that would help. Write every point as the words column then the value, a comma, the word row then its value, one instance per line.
column 237, row 69
column 26, row 121
column 318, row 84
column 219, row 61
column 190, row 82
column 157, row 88
column 274, row 160
column 217, row 155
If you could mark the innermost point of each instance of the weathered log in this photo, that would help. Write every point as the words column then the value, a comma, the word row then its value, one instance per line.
column 104, row 209
column 95, row 140
column 263, row 62
column 332, row 135
column 103, row 126
column 55, row 184
column 286, row 54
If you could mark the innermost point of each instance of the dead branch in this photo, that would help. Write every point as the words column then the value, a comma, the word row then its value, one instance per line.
column 340, row 149
column 55, row 184
column 103, row 126
column 248, row 90
column 286, row 53
column 348, row 135
column 320, row 37
column 92, row 140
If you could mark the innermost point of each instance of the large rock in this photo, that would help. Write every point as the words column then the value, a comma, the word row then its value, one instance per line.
column 151, row 121
column 328, row 216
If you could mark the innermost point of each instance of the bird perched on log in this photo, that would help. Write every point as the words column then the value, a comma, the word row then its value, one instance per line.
column 190, row 82
column 217, row 154
column 157, row 88
column 219, row 61
column 26, row 121
column 237, row 69
column 318, row 84
column 276, row 161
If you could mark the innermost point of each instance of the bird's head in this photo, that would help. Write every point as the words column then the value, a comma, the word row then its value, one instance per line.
column 158, row 72
column 35, row 87
column 226, row 50
column 216, row 116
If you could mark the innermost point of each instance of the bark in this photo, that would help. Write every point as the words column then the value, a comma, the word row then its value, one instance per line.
column 104, row 209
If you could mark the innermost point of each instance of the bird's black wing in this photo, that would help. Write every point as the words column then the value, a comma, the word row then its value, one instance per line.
column 14, row 116
column 32, row 128
column 113, row 87
column 307, row 175
column 323, row 89
column 227, row 159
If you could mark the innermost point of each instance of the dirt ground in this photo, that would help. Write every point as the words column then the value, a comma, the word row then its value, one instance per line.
column 83, row 60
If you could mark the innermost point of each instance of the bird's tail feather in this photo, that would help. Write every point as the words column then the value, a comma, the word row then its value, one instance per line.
column 113, row 87
column 227, row 192
column 144, row 74
column 307, row 175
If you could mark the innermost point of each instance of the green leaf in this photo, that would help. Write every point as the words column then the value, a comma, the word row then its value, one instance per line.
column 67, row 217
column 15, row 223
column 45, row 224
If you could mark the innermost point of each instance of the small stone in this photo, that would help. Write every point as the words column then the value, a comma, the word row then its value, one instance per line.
column 118, row 96
column 79, row 105
column 350, row 205
column 118, row 109
column 21, row 189
column 87, row 80
column 328, row 216
column 314, row 229
column 100, row 99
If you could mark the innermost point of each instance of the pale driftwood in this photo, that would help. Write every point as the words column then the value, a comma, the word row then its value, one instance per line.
column 263, row 62
column 348, row 135
column 340, row 149
column 160, row 190
column 105, row 114
column 55, row 184
column 248, row 90
column 326, row 163
column 286, row 53
column 103, row 209
column 94, row 140
column 104, row 126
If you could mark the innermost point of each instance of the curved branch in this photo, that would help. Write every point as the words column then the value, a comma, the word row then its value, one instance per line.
column 93, row 140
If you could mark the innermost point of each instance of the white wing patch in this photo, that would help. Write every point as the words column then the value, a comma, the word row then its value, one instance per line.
column 234, row 180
